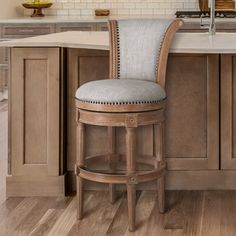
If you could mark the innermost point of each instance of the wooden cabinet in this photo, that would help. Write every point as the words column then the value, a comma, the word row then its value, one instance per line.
column 192, row 27
column 192, row 114
column 35, row 131
column 3, row 80
column 199, row 132
column 13, row 31
column 4, row 57
column 195, row 27
column 76, row 27
column 10, row 31
column 83, row 66
column 102, row 26
column 228, row 112
column 192, row 124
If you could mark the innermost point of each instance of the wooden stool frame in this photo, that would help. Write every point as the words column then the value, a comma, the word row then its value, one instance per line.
column 130, row 117
column 131, row 121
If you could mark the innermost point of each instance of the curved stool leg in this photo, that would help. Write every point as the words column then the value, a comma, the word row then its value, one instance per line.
column 131, row 167
column 111, row 152
column 80, row 162
column 159, row 153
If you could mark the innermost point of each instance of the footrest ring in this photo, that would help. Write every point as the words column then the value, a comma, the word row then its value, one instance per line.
column 138, row 177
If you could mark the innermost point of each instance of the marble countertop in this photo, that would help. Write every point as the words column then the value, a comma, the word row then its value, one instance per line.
column 52, row 19
column 95, row 19
column 182, row 43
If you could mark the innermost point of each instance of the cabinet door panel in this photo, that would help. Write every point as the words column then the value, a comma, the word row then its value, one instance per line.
column 228, row 112
column 35, row 112
column 35, row 115
column 192, row 115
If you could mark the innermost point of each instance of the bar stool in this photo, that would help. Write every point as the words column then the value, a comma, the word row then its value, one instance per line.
column 133, row 96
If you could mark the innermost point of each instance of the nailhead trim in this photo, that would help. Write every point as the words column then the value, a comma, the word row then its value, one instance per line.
column 118, row 50
column 121, row 103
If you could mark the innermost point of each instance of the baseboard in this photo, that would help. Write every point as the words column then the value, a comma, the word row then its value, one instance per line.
column 25, row 186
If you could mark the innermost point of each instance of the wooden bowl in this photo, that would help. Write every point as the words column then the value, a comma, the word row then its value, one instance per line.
column 225, row 5
column 102, row 12
column 37, row 8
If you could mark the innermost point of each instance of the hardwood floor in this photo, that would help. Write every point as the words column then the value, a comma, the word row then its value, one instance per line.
column 190, row 213
column 201, row 213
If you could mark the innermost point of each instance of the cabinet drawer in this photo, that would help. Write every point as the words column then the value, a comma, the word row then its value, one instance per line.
column 102, row 26
column 194, row 27
column 76, row 27
column 4, row 55
column 26, row 30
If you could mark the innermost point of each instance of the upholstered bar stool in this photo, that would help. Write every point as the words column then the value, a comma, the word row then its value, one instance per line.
column 133, row 96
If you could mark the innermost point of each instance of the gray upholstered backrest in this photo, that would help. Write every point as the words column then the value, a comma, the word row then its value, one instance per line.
column 139, row 44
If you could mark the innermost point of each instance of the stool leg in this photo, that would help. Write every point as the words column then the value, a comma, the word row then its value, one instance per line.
column 159, row 153
column 80, row 162
column 131, row 167
column 111, row 151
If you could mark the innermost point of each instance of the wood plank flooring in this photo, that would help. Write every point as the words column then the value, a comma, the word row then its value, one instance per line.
column 190, row 213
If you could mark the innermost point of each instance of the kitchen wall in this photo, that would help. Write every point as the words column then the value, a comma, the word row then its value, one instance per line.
column 10, row 8
column 120, row 7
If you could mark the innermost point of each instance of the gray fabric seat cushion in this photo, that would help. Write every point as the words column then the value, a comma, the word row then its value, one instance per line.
column 118, row 92
column 139, row 45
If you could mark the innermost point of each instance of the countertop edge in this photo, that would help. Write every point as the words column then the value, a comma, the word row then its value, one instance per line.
column 202, row 43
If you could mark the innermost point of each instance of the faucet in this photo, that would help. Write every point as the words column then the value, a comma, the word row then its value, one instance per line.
column 211, row 25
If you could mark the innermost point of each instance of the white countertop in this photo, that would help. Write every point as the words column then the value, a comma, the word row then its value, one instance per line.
column 182, row 43
column 52, row 19
column 96, row 19
column 69, row 39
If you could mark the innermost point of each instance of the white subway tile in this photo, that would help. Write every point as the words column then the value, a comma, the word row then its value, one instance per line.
column 120, row 7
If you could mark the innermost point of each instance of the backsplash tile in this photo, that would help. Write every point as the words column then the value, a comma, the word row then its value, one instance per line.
column 119, row 7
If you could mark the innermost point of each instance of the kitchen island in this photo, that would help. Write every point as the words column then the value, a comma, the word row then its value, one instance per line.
column 200, row 133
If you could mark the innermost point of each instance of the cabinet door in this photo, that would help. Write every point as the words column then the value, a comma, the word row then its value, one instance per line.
column 10, row 31
column 84, row 66
column 192, row 112
column 35, row 112
column 228, row 112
